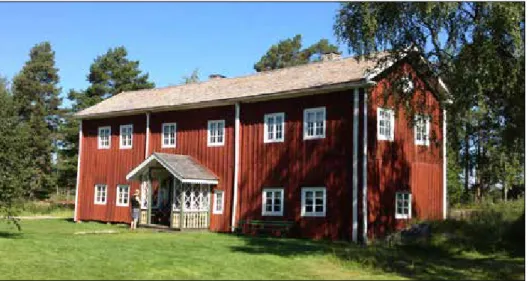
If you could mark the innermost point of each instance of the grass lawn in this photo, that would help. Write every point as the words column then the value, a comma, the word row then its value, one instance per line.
column 48, row 249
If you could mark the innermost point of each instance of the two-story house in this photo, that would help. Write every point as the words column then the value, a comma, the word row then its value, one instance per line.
column 313, row 144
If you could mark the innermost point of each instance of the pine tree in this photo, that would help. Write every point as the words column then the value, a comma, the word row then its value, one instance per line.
column 36, row 95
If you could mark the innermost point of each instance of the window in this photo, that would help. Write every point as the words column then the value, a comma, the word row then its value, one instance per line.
column 218, row 202
column 422, row 130
column 313, row 201
column 103, row 137
column 215, row 132
column 100, row 196
column 274, row 127
column 314, row 123
column 169, row 135
column 272, row 202
column 385, row 124
column 403, row 205
column 122, row 198
column 125, row 136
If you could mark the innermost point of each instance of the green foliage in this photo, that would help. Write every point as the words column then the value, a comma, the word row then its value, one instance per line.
column 110, row 74
column 36, row 95
column 288, row 52
column 478, row 48
column 192, row 78
column 15, row 141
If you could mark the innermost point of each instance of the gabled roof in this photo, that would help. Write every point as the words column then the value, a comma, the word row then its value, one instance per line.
column 184, row 167
column 262, row 84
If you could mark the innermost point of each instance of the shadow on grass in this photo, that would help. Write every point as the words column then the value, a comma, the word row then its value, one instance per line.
column 412, row 261
column 10, row 235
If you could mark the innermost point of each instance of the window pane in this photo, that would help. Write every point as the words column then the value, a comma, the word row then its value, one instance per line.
column 308, row 208
column 319, row 208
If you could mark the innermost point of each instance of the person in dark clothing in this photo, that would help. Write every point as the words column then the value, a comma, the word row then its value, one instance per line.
column 135, row 202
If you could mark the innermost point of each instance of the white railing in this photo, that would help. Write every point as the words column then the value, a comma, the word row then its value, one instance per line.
column 193, row 220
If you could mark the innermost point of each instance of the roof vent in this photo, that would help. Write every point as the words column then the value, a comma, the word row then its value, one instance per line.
column 216, row 76
column 331, row 56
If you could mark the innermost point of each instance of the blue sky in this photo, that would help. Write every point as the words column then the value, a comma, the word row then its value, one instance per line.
column 169, row 39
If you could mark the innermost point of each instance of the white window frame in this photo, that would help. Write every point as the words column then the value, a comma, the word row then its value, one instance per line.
column 314, row 110
column 403, row 216
column 275, row 124
column 391, row 136
column 121, row 128
column 119, row 195
column 99, row 135
column 169, row 145
column 419, row 121
column 215, row 196
column 282, row 205
column 97, row 196
column 313, row 213
column 217, row 122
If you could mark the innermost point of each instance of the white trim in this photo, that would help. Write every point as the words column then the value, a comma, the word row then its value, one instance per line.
column 305, row 123
column 275, row 124
column 79, row 151
column 444, row 165
column 215, row 195
column 422, row 118
column 96, row 202
column 403, row 216
column 364, row 171
column 155, row 157
column 356, row 115
column 263, row 201
column 313, row 213
column 236, row 165
column 118, row 195
column 147, row 133
column 99, row 129
column 391, row 124
column 163, row 135
column 121, row 127
column 218, row 122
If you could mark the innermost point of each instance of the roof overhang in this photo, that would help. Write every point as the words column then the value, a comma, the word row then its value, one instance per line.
column 205, row 176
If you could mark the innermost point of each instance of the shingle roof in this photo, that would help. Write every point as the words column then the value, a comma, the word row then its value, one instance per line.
column 183, row 167
column 313, row 75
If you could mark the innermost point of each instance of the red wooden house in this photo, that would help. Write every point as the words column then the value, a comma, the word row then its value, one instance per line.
column 315, row 145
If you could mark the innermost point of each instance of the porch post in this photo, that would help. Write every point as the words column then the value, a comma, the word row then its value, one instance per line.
column 149, row 196
column 182, row 205
column 172, row 202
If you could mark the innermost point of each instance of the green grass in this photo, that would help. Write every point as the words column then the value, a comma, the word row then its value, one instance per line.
column 49, row 249
column 44, row 208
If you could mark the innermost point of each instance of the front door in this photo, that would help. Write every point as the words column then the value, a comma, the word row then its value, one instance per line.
column 161, row 209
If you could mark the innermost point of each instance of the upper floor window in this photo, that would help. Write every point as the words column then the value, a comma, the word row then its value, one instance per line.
column 122, row 198
column 169, row 135
column 274, row 127
column 218, row 202
column 422, row 130
column 313, row 201
column 100, row 194
column 215, row 132
column 403, row 205
column 272, row 202
column 314, row 123
column 125, row 136
column 385, row 124
column 104, row 137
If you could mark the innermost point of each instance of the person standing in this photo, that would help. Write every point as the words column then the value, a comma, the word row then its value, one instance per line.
column 135, row 202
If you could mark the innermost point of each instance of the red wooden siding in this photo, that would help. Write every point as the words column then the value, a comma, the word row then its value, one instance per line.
column 297, row 163
column 108, row 166
column 191, row 139
column 402, row 165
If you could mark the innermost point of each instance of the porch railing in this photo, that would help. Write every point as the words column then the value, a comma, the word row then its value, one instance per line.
column 191, row 220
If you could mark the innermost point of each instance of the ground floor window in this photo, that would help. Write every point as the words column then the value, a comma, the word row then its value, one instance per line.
column 122, row 198
column 403, row 205
column 272, row 202
column 218, row 202
column 100, row 194
column 313, row 201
